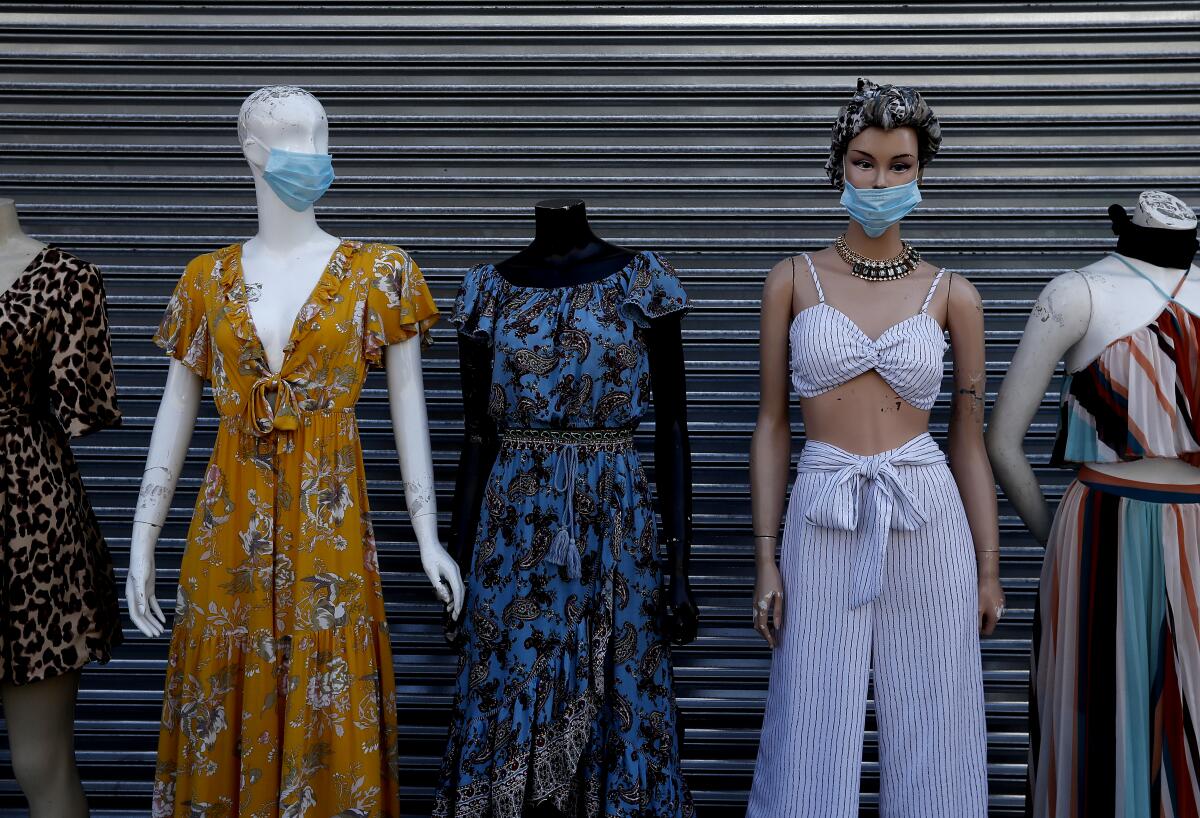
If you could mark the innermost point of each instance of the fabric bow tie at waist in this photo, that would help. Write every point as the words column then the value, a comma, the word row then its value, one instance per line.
column 262, row 416
column 565, row 444
column 865, row 494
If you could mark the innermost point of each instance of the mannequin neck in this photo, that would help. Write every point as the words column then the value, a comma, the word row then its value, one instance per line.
column 564, row 251
column 14, row 243
column 280, row 229
column 561, row 229
column 887, row 245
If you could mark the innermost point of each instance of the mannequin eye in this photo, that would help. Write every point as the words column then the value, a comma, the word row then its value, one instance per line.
column 901, row 167
column 863, row 164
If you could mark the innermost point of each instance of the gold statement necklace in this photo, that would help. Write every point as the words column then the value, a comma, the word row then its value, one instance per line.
column 874, row 269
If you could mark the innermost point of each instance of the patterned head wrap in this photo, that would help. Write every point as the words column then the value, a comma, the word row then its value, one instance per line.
column 888, row 107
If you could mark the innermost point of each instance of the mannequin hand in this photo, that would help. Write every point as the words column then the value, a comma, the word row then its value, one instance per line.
column 768, row 602
column 143, row 606
column 991, row 604
column 443, row 572
column 681, row 617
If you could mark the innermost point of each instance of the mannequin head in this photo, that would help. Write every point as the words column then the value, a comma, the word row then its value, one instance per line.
column 889, row 122
column 1162, row 230
column 878, row 158
column 284, row 117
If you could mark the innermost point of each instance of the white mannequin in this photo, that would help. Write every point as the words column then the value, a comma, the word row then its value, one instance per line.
column 40, row 715
column 1076, row 316
column 282, row 263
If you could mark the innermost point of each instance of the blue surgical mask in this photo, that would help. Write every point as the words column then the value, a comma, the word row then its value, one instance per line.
column 299, row 179
column 877, row 209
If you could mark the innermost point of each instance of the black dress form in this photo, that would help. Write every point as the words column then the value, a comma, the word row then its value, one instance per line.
column 566, row 252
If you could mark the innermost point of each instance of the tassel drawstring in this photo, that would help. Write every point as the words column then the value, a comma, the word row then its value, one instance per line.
column 563, row 550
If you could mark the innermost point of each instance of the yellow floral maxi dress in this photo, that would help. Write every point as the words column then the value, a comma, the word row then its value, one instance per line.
column 280, row 694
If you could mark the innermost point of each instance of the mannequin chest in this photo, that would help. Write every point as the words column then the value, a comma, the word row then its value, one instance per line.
column 1122, row 303
column 276, row 290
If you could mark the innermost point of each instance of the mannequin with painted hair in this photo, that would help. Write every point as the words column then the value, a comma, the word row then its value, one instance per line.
column 888, row 563
column 1116, row 636
column 280, row 692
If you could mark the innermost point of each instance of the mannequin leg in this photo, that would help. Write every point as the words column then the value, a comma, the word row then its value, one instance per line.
column 41, row 733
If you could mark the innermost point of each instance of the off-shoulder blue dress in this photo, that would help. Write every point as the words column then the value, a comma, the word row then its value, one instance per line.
column 565, row 694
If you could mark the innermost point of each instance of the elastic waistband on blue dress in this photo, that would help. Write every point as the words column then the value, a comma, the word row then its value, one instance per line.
column 588, row 439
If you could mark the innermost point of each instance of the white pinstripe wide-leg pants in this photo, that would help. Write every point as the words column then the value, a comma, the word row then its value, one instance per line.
column 919, row 635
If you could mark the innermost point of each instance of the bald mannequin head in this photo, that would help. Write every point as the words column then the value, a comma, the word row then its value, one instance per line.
column 285, row 117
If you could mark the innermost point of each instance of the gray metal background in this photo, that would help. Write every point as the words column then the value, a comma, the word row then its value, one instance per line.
column 698, row 130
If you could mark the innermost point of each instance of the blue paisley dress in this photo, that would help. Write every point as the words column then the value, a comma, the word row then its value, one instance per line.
column 565, row 693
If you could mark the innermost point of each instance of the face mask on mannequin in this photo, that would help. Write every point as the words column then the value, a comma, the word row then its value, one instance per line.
column 298, row 179
column 877, row 209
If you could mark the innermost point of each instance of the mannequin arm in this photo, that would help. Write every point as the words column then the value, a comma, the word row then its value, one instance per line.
column 410, row 425
column 168, row 448
column 673, row 469
column 771, row 448
column 968, row 454
column 1059, row 320
column 480, row 446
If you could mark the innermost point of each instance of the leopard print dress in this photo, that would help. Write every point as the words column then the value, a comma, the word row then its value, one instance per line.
column 58, row 600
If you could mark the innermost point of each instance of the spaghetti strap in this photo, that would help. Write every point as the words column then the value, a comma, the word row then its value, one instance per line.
column 1179, row 286
column 816, row 281
column 1169, row 296
column 932, row 289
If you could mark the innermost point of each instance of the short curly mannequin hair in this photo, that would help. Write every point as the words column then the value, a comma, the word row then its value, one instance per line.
column 887, row 107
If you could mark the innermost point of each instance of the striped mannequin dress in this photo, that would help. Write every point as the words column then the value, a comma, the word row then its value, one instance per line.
column 1116, row 656
column 879, row 568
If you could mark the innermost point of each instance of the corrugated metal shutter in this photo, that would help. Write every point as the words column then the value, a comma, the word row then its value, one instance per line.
column 697, row 129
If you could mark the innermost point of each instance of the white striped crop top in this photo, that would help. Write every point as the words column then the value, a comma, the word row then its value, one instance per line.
column 828, row 349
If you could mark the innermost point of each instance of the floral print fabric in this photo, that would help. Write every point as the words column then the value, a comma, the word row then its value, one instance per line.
column 565, row 692
column 280, row 693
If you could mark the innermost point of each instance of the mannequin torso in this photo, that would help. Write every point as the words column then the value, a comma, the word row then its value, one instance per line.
column 1123, row 302
column 1076, row 317
column 865, row 415
column 282, row 265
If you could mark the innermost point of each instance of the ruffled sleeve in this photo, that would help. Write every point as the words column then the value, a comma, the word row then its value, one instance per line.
column 399, row 304
column 83, row 387
column 477, row 303
column 183, row 332
column 654, row 291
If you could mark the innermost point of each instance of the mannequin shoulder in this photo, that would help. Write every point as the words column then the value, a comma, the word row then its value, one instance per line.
column 1068, row 294
column 781, row 279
